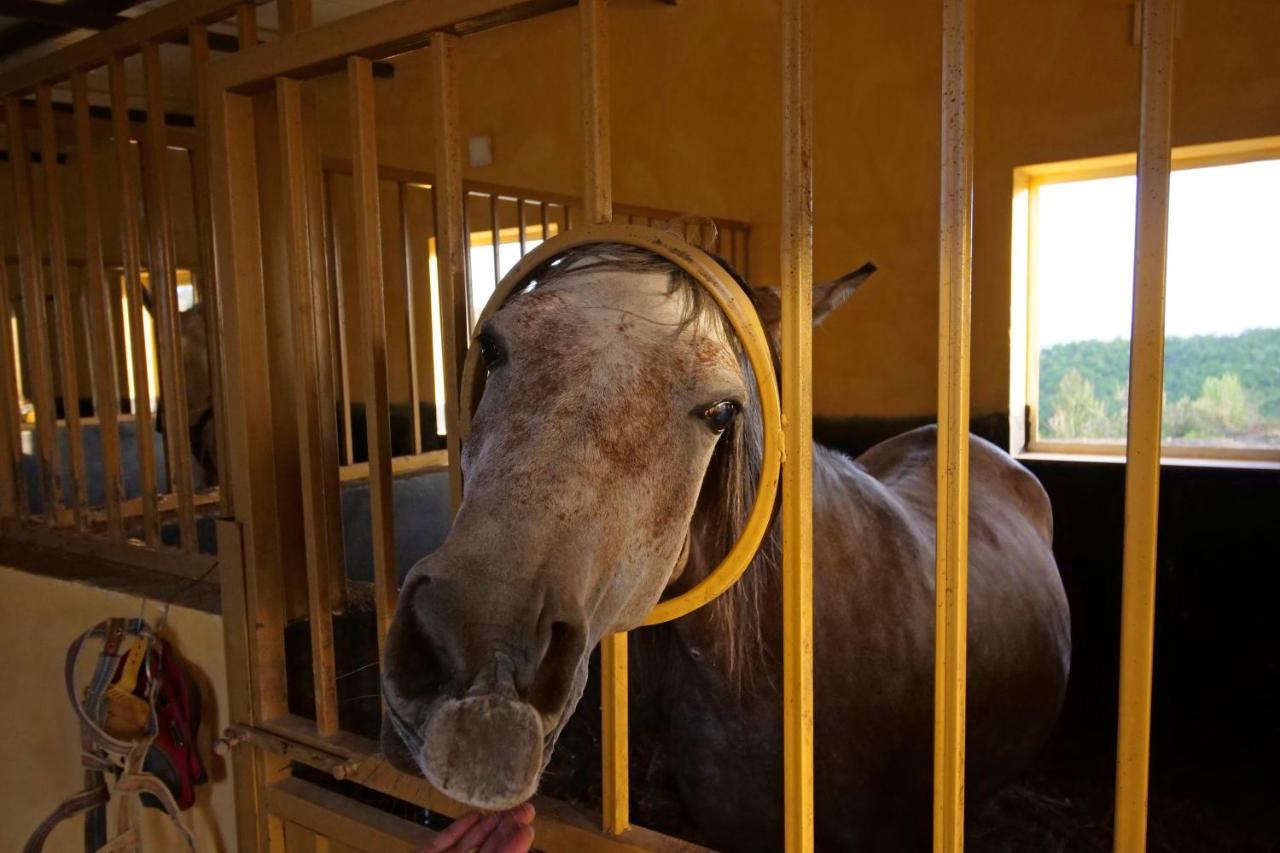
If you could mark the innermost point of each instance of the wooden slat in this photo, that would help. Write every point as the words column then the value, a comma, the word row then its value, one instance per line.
column 1146, row 383
column 796, row 266
column 317, row 437
column 410, row 320
column 196, row 567
column 64, row 311
column 955, row 249
column 13, row 481
column 35, row 321
column 339, row 301
column 360, row 102
column 164, row 296
column 451, row 247
column 343, row 820
column 247, row 25
column 543, row 221
column 495, row 237
column 132, row 254
column 522, row 225
column 206, row 287
column 102, row 333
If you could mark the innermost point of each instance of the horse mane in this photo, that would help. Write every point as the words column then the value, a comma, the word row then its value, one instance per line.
column 729, row 485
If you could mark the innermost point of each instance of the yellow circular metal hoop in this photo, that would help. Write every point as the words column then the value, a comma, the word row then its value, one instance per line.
column 737, row 307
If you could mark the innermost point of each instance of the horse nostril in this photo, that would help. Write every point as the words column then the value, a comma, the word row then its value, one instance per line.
column 554, row 675
column 415, row 668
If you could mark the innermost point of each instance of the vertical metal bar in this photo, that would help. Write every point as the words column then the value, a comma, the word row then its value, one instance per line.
column 598, row 199
column 102, row 335
column 164, row 296
column 340, row 311
column 13, row 496
column 64, row 310
column 132, row 253
column 35, row 320
column 955, row 266
column 364, row 157
column 495, row 232
column 406, row 244
column 797, row 414
column 451, row 246
column 210, row 299
column 1142, row 471
column 317, row 433
column 522, row 225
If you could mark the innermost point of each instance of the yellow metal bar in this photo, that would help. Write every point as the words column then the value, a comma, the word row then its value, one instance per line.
column 797, row 416
column 451, row 246
column 1142, row 471
column 951, row 583
column 597, row 196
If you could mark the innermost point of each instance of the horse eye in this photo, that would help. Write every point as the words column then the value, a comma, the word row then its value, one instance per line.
column 719, row 416
column 491, row 352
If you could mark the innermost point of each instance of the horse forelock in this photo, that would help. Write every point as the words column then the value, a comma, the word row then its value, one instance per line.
column 730, row 483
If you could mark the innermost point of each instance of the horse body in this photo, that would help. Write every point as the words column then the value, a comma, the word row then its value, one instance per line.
column 600, row 473
column 874, row 553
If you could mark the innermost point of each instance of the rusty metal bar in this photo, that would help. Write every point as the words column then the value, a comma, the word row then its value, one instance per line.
column 451, row 245
column 209, row 297
column 797, row 413
column 35, row 323
column 1142, row 469
column 364, row 156
column 164, row 296
column 317, row 432
column 63, row 310
column 955, row 265
column 415, row 401
column 132, row 253
column 102, row 333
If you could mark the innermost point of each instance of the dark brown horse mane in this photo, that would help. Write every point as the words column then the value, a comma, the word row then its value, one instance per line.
column 729, row 486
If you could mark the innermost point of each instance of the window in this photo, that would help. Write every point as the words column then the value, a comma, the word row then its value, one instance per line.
column 1073, row 275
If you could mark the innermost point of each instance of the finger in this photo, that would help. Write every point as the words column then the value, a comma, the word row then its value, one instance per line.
column 446, row 839
column 477, row 835
column 523, row 813
column 511, row 837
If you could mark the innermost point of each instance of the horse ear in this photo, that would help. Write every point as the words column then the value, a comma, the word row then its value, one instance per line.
column 827, row 297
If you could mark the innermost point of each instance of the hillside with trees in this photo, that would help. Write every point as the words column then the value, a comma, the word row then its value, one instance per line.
column 1218, row 388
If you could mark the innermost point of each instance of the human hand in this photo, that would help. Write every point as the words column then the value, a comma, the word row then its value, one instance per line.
column 496, row 832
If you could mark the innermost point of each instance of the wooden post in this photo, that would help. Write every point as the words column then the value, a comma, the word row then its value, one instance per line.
column 797, row 414
column 1142, row 469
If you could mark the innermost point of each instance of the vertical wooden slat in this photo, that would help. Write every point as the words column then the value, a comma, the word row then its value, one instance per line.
column 522, row 225
column 1142, row 470
column 410, row 320
column 451, row 245
column 495, row 231
column 598, row 200
column 955, row 265
column 164, row 296
column 132, row 253
column 35, row 320
column 339, row 299
column 797, row 415
column 317, row 437
column 13, row 481
column 543, row 220
column 102, row 336
column 364, row 157
column 64, row 312
column 211, row 303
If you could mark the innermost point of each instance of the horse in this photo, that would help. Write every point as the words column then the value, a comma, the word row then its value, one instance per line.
column 612, row 460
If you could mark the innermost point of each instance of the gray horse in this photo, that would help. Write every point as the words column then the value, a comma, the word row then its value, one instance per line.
column 612, row 460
